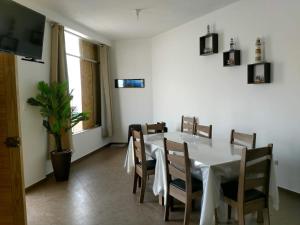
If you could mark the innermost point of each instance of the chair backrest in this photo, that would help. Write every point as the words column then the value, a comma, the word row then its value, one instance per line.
column 155, row 128
column 203, row 131
column 177, row 162
column 247, row 140
column 255, row 171
column 139, row 148
column 188, row 124
column 132, row 127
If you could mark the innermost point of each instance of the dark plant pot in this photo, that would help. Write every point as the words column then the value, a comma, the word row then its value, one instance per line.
column 61, row 162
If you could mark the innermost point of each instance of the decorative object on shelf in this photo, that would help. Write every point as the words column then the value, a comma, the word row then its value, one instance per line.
column 259, row 73
column 258, row 53
column 232, row 45
column 129, row 83
column 231, row 60
column 209, row 43
column 233, row 56
column 259, row 79
column 208, row 29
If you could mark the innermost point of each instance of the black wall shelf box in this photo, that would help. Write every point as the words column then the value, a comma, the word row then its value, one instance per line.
column 236, row 55
column 209, row 41
column 259, row 73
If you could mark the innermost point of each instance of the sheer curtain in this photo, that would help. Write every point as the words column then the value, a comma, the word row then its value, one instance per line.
column 58, row 73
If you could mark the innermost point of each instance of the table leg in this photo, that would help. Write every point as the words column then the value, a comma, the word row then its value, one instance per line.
column 260, row 217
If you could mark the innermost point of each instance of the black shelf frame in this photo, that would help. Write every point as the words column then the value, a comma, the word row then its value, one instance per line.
column 215, row 44
column 237, row 58
column 266, row 73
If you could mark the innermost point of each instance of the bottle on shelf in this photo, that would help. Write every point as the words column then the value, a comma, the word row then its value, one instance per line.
column 258, row 53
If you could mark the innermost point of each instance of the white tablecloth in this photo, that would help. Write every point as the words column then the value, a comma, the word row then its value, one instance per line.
column 212, row 161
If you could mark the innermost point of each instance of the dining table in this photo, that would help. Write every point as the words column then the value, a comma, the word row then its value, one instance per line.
column 213, row 161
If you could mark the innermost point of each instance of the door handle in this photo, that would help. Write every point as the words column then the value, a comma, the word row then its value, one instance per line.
column 12, row 142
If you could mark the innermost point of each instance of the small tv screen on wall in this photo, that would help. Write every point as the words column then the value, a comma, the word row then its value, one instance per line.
column 129, row 83
column 21, row 30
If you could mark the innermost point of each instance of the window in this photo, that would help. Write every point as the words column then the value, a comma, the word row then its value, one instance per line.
column 84, row 81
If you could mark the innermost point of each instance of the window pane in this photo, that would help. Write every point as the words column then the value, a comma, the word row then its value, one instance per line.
column 82, row 68
column 72, row 44
column 73, row 64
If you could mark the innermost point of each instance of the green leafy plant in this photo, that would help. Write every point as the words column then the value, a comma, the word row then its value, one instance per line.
column 55, row 108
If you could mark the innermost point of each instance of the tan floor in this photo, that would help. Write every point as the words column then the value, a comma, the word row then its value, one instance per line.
column 99, row 193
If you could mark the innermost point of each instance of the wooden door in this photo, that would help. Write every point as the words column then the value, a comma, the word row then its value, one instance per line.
column 12, row 202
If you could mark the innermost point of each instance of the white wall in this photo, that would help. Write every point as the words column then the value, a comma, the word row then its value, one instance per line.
column 131, row 59
column 33, row 135
column 199, row 85
column 34, row 138
column 55, row 17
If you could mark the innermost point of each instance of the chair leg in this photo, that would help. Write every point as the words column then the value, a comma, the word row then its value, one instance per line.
column 193, row 204
column 216, row 217
column 266, row 216
column 260, row 217
column 187, row 212
column 135, row 183
column 139, row 181
column 167, row 208
column 171, row 203
column 241, row 217
column 144, row 180
column 229, row 212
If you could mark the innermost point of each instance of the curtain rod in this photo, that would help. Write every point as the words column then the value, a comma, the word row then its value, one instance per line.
column 92, row 41
column 83, row 58
column 52, row 23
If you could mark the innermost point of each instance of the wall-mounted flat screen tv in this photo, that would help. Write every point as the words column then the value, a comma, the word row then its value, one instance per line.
column 129, row 83
column 21, row 30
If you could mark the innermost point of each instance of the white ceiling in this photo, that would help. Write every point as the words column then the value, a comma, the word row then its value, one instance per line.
column 116, row 19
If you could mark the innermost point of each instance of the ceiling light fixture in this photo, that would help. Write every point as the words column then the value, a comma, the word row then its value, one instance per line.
column 138, row 12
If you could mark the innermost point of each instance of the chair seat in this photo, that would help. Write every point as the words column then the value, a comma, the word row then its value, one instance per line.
column 230, row 190
column 150, row 164
column 180, row 184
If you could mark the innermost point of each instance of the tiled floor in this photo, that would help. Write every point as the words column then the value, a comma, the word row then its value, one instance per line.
column 99, row 193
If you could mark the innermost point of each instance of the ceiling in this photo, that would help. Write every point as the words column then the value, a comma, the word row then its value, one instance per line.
column 116, row 19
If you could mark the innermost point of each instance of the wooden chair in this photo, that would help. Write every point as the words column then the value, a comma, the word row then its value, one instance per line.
column 143, row 167
column 203, row 131
column 251, row 191
column 188, row 124
column 155, row 128
column 180, row 184
column 247, row 140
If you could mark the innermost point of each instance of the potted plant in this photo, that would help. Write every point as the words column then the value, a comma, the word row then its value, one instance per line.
column 58, row 118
